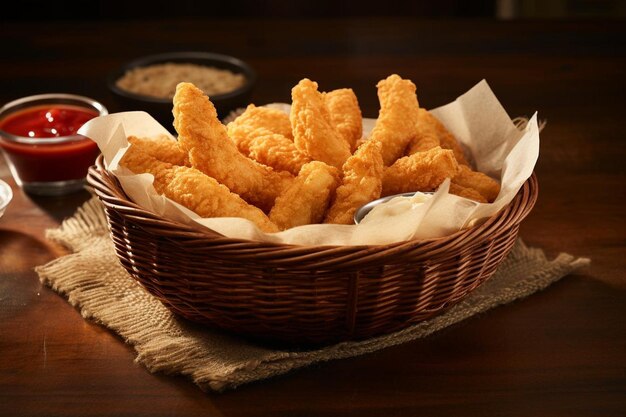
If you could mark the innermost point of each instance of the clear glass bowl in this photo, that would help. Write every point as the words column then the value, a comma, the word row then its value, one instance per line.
column 6, row 194
column 51, row 165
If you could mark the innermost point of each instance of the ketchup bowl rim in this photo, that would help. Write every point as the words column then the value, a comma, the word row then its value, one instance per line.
column 31, row 101
column 8, row 193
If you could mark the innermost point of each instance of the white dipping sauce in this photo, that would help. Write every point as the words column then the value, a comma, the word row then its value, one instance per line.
column 397, row 206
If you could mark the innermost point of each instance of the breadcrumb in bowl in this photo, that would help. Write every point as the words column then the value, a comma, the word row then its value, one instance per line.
column 144, row 83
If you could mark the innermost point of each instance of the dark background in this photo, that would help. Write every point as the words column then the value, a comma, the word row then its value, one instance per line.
column 158, row 9
column 558, row 353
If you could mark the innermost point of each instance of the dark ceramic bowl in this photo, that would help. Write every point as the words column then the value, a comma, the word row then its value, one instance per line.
column 161, row 108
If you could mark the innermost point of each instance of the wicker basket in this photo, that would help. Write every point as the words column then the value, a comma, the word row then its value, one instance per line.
column 303, row 294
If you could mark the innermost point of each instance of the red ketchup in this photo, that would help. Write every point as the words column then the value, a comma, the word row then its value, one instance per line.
column 47, row 162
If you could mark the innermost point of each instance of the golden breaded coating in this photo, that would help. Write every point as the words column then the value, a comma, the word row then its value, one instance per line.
column 139, row 161
column 397, row 118
column 361, row 183
column 448, row 141
column 211, row 151
column 194, row 190
column 422, row 171
column 242, row 134
column 470, row 193
column 162, row 148
column 426, row 135
column 345, row 115
column 265, row 118
column 430, row 133
column 307, row 199
column 360, row 142
column 313, row 131
column 277, row 152
column 484, row 184
column 266, row 147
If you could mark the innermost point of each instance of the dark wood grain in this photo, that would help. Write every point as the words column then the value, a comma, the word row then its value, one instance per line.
column 560, row 352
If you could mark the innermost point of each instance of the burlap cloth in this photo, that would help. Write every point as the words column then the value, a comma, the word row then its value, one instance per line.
column 100, row 288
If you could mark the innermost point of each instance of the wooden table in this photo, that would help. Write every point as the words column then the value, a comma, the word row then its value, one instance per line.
column 559, row 352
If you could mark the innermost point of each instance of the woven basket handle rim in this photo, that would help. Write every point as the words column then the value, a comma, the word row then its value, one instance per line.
column 109, row 190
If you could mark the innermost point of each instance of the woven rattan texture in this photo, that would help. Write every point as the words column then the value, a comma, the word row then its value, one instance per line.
column 303, row 294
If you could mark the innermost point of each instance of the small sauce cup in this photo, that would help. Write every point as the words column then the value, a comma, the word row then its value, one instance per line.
column 39, row 141
column 365, row 209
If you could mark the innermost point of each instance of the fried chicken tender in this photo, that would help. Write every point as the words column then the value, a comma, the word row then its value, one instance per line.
column 482, row 183
column 470, row 193
column 211, row 151
column 253, row 118
column 448, row 141
column 162, row 148
column 277, row 152
column 426, row 135
column 193, row 189
column 397, row 118
column 313, row 130
column 361, row 183
column 265, row 146
column 307, row 199
column 430, row 133
column 345, row 115
column 422, row 171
